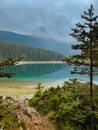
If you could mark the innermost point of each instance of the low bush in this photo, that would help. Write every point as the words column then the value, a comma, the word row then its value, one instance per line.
column 70, row 105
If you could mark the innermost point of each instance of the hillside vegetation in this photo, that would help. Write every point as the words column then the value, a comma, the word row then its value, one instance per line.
column 36, row 42
column 28, row 53
column 68, row 106
column 65, row 108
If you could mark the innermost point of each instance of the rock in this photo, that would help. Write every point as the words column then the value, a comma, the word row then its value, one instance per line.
column 32, row 119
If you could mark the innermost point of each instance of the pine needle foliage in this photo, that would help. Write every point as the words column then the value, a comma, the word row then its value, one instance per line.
column 7, row 63
column 86, row 34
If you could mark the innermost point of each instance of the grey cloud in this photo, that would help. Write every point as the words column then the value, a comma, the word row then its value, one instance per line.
column 54, row 18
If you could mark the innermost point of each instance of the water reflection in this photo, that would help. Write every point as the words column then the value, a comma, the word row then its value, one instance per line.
column 53, row 74
column 32, row 70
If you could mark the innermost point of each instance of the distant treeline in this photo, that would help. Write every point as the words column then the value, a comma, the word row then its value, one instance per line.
column 28, row 53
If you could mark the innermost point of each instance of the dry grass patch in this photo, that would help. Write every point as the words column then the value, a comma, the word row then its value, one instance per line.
column 18, row 91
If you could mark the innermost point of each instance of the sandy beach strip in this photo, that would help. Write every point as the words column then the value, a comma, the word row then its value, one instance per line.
column 18, row 88
column 40, row 62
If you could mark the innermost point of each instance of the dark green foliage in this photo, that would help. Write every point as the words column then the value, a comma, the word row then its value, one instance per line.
column 29, row 53
column 86, row 35
column 69, row 105
column 41, row 98
column 7, row 63
column 87, row 61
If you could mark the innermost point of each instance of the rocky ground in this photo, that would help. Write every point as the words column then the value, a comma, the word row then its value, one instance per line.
column 32, row 119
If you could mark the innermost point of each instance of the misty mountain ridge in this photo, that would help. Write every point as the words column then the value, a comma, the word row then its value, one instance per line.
column 37, row 42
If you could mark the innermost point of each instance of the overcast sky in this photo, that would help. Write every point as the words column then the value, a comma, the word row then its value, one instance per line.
column 45, row 18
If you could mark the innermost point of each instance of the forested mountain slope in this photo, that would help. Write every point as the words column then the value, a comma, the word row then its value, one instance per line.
column 36, row 42
column 29, row 53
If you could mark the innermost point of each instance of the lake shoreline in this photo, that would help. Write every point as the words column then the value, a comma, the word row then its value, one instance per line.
column 40, row 62
column 20, row 88
column 25, row 89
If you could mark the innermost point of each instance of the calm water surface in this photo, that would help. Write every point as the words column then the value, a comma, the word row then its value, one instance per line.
column 51, row 74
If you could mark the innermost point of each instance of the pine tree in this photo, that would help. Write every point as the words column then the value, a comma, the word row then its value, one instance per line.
column 7, row 63
column 86, row 34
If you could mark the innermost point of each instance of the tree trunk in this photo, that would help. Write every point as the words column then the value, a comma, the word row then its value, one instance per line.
column 91, row 88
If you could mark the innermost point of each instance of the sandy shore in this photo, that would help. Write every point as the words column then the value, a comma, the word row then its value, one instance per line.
column 22, row 88
column 16, row 91
column 40, row 62
column 18, row 88
column 12, row 87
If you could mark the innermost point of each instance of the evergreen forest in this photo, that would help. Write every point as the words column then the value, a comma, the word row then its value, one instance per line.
column 28, row 53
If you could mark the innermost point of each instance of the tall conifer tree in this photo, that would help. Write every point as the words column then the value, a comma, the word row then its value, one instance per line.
column 86, row 34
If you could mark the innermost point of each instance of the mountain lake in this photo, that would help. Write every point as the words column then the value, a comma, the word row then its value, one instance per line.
column 47, row 74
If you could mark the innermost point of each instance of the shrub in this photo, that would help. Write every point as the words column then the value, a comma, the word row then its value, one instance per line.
column 69, row 103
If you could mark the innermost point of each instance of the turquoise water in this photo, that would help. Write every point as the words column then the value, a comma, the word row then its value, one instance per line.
column 53, row 74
